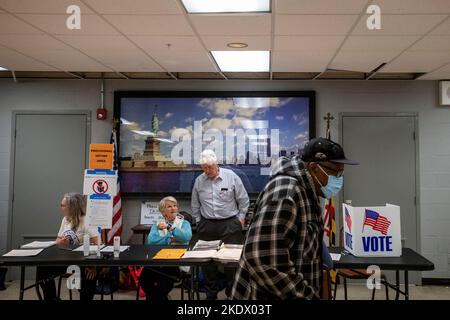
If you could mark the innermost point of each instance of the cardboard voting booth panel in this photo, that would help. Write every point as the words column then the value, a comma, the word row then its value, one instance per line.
column 99, row 211
column 372, row 231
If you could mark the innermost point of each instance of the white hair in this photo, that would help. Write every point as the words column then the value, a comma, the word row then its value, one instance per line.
column 162, row 203
column 208, row 157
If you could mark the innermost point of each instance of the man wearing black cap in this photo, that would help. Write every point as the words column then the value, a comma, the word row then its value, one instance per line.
column 281, row 258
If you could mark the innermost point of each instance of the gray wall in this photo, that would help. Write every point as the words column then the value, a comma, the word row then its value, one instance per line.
column 332, row 96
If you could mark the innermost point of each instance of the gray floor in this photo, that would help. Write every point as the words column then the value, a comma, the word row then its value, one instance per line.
column 355, row 292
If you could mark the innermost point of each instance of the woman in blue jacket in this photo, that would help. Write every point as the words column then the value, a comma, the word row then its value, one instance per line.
column 172, row 229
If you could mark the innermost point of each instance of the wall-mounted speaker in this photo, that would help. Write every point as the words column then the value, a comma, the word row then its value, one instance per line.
column 444, row 93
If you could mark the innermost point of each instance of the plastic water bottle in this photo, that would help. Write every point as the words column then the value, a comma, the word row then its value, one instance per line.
column 86, row 244
column 116, row 246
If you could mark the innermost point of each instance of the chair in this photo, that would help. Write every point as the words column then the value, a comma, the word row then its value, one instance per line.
column 357, row 274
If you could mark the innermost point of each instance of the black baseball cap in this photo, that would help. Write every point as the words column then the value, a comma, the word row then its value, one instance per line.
column 321, row 149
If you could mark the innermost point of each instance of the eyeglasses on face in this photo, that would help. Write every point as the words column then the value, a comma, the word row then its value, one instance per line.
column 337, row 173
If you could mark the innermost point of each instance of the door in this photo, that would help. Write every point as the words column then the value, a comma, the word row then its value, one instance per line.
column 49, row 156
column 386, row 148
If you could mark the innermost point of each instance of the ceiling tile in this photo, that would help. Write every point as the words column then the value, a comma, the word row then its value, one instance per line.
column 135, row 6
column 177, row 43
column 432, row 43
column 414, row 6
column 418, row 61
column 220, row 42
column 49, row 50
column 228, row 25
column 11, row 25
column 114, row 51
column 440, row 74
column 159, row 25
column 378, row 43
column 18, row 62
column 42, row 6
column 185, row 61
column 400, row 25
column 320, row 6
column 307, row 43
column 443, row 29
column 56, row 24
column 294, row 61
column 314, row 24
column 360, row 61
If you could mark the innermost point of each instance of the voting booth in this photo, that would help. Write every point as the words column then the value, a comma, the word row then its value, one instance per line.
column 372, row 231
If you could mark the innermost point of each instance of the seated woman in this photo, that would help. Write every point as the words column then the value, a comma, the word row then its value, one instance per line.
column 173, row 229
column 71, row 233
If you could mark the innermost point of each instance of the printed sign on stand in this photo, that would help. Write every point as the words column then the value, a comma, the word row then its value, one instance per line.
column 100, row 182
column 150, row 213
column 99, row 211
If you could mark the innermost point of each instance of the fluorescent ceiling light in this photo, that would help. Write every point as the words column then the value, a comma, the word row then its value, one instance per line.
column 2, row 69
column 242, row 61
column 226, row 6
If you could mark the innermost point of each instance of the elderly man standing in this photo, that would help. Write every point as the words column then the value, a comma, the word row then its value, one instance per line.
column 219, row 205
column 282, row 255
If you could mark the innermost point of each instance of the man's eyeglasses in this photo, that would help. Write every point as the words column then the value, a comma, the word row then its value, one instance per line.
column 336, row 173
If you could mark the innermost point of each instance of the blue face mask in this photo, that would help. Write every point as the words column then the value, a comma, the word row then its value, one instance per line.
column 333, row 186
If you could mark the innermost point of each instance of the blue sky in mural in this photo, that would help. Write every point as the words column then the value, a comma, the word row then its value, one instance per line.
column 289, row 115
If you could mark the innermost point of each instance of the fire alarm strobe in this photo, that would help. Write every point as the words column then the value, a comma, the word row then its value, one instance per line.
column 101, row 114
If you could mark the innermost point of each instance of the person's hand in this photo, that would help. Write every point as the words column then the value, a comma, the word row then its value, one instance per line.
column 242, row 221
column 162, row 225
column 61, row 241
column 90, row 273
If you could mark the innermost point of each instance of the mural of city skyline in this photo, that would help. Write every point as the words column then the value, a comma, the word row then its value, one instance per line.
column 152, row 126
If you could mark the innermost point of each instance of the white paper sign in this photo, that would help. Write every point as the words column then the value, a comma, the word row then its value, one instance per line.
column 100, row 182
column 372, row 231
column 99, row 211
column 150, row 213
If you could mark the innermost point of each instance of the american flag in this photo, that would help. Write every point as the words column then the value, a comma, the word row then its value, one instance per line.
column 348, row 220
column 116, row 229
column 376, row 221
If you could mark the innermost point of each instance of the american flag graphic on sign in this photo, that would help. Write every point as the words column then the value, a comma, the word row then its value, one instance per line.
column 376, row 221
column 348, row 220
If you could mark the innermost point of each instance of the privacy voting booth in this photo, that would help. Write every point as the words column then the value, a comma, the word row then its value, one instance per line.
column 372, row 231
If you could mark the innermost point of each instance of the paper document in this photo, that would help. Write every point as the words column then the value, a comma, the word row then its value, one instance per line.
column 207, row 245
column 92, row 248
column 23, row 253
column 199, row 254
column 169, row 254
column 38, row 244
column 335, row 256
column 225, row 253
column 111, row 249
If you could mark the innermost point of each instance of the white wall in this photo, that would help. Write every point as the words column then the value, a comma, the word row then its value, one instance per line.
column 331, row 96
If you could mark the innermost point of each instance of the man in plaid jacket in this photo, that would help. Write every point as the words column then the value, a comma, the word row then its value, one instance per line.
column 281, row 258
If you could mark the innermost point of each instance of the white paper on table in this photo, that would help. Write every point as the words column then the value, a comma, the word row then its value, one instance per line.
column 111, row 249
column 92, row 248
column 23, row 253
column 38, row 245
column 224, row 253
column 335, row 256
column 200, row 254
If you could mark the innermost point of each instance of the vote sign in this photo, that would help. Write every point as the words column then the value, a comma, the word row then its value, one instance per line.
column 372, row 231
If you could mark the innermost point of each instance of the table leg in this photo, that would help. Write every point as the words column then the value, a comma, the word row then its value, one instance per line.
column 22, row 282
column 406, row 285
column 397, row 284
column 192, row 289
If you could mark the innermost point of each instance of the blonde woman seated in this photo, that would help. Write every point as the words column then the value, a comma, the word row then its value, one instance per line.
column 172, row 229
column 71, row 232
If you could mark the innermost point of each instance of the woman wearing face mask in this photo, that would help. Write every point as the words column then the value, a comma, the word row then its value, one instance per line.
column 285, row 239
column 172, row 229
column 71, row 232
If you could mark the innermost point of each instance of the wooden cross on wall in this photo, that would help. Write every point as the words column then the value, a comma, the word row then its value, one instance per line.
column 328, row 118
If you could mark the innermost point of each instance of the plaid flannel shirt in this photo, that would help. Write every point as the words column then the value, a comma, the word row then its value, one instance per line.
column 281, row 258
